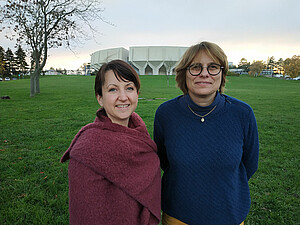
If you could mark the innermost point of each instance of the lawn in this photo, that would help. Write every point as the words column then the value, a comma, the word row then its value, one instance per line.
column 34, row 133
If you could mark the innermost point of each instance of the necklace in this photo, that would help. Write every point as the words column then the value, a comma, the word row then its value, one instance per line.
column 202, row 117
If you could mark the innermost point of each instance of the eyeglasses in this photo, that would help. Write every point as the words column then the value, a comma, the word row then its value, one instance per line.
column 213, row 69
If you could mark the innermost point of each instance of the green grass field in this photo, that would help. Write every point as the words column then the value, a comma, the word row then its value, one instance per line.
column 34, row 133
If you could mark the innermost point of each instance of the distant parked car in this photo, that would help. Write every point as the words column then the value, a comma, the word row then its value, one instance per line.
column 278, row 75
column 287, row 77
column 296, row 78
column 7, row 78
column 1, row 79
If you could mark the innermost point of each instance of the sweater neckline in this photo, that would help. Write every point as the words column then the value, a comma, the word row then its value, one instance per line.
column 185, row 102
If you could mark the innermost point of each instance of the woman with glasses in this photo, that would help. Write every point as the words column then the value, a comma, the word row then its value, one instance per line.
column 207, row 143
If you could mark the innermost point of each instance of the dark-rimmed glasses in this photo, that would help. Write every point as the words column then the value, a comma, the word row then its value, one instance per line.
column 213, row 69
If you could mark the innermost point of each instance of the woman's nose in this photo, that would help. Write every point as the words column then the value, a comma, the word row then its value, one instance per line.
column 123, row 95
column 204, row 72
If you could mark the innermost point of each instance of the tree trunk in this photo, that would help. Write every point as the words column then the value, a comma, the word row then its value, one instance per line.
column 37, row 83
column 167, row 79
column 32, row 85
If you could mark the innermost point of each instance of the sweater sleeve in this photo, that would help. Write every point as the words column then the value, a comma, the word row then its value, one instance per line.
column 251, row 145
column 158, row 136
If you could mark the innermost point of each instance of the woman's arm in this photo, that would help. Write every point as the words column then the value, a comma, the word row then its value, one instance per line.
column 251, row 146
column 158, row 136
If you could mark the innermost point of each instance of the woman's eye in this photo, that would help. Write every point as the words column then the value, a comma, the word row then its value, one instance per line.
column 196, row 67
column 130, row 88
column 214, row 66
column 112, row 89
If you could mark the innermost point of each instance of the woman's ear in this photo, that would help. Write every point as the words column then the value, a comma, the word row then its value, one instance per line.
column 99, row 99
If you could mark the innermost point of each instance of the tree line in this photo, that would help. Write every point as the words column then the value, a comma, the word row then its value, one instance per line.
column 12, row 63
column 288, row 67
column 44, row 24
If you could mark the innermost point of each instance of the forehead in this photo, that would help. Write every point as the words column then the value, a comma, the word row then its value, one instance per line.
column 112, row 77
column 204, row 57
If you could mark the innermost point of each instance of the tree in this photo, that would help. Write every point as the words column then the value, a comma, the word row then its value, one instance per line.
column 2, row 61
column 256, row 67
column 169, row 64
column 44, row 24
column 232, row 66
column 20, row 57
column 10, row 62
column 280, row 64
column 271, row 63
column 243, row 64
column 292, row 66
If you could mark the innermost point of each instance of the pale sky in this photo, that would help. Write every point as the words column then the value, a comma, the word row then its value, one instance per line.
column 251, row 29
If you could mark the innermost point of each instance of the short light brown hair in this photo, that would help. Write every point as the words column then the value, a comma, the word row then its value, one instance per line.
column 213, row 51
column 122, row 70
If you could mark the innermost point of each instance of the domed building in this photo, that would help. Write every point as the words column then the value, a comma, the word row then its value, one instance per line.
column 98, row 58
column 147, row 60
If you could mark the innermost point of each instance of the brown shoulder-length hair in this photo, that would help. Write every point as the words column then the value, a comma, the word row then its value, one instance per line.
column 122, row 70
column 213, row 51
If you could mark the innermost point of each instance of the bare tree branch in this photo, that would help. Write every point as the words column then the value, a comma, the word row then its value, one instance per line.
column 44, row 24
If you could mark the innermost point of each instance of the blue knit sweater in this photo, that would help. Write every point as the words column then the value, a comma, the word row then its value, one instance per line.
column 206, row 165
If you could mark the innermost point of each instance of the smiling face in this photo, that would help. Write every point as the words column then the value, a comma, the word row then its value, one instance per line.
column 119, row 98
column 202, row 88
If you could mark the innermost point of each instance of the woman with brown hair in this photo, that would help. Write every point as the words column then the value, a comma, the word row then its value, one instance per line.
column 207, row 143
column 114, row 173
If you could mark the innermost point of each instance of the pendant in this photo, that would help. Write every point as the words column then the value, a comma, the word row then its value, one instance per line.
column 202, row 119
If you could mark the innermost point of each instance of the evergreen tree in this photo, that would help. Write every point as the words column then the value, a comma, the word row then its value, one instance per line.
column 21, row 64
column 10, row 62
column 271, row 64
column 2, row 61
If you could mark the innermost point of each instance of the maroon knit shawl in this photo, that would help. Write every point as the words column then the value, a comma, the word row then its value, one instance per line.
column 114, row 174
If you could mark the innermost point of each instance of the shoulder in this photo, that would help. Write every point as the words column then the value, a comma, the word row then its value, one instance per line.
column 137, row 119
column 85, row 135
column 237, row 104
column 240, row 109
column 89, row 136
column 168, row 105
column 136, row 123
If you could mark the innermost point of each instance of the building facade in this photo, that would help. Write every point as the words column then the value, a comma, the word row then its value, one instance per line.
column 98, row 58
column 147, row 60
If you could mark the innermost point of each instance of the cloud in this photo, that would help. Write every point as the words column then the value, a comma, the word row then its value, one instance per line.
column 253, row 29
